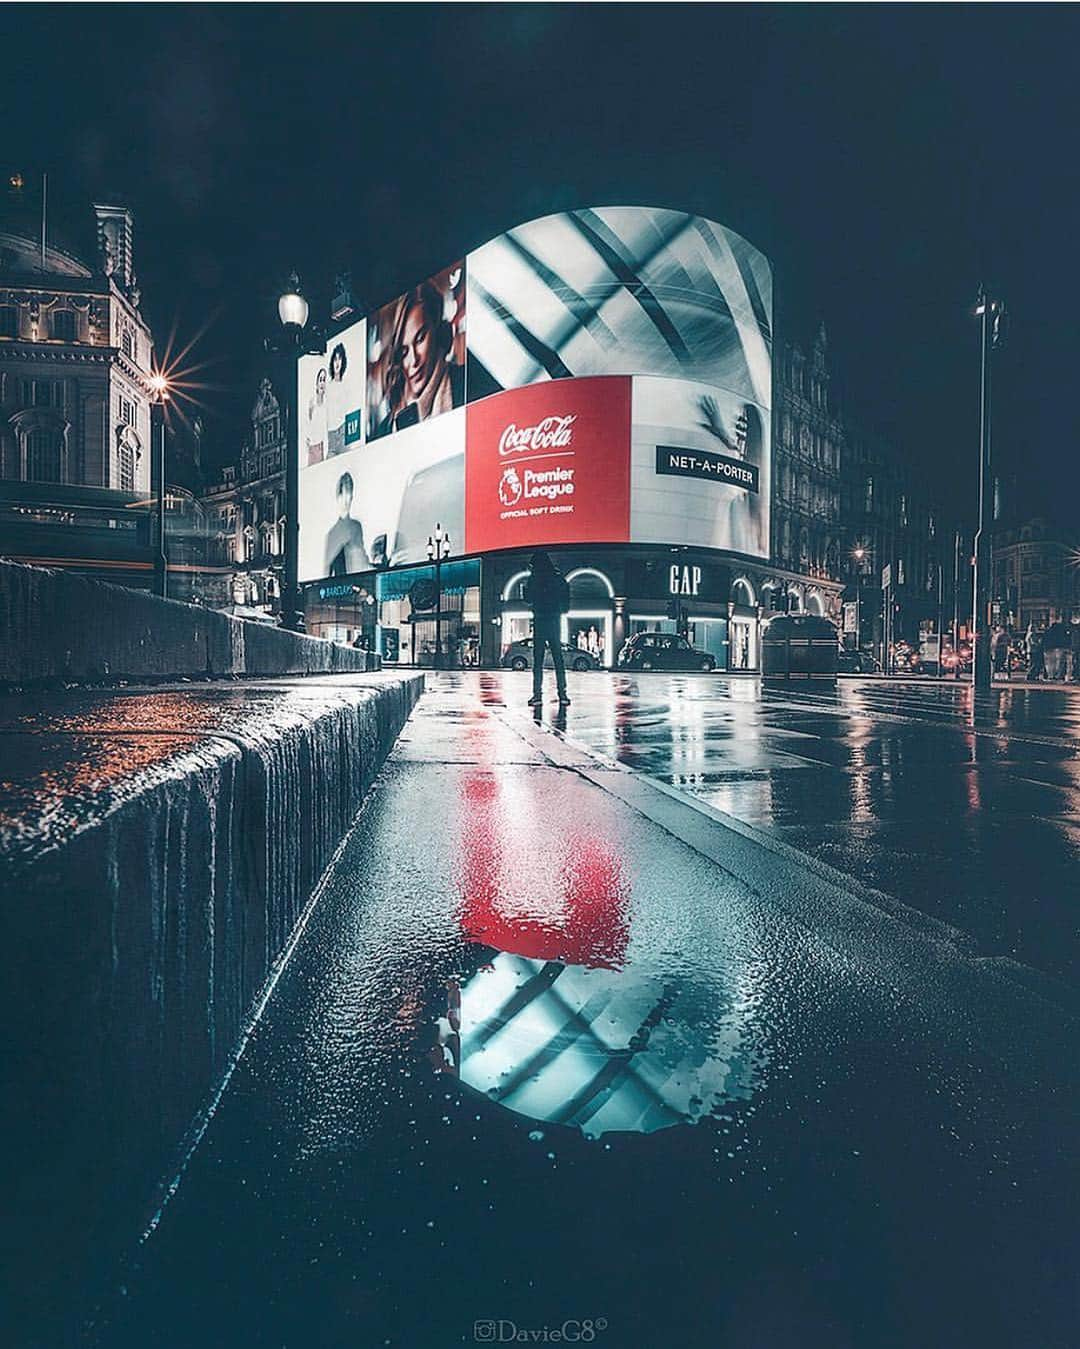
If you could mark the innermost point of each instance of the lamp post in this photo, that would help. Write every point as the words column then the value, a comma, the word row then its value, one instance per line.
column 991, row 335
column 859, row 554
column 159, row 393
column 293, row 313
column 438, row 548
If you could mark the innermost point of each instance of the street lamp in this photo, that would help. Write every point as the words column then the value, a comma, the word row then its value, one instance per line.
column 159, row 393
column 438, row 548
column 859, row 555
column 293, row 313
column 991, row 335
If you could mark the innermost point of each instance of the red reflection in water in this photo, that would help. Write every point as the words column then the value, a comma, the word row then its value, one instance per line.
column 568, row 903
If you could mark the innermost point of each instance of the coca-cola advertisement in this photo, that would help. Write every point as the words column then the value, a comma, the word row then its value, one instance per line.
column 549, row 464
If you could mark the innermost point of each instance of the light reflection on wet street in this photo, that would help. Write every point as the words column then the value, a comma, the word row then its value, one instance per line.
column 536, row 1060
column 886, row 781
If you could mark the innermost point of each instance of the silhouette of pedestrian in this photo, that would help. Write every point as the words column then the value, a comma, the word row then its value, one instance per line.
column 548, row 593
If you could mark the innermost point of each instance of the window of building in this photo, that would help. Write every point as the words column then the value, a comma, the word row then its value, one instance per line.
column 9, row 321
column 126, row 466
column 40, row 393
column 127, row 411
column 901, row 510
column 869, row 505
column 43, row 456
column 127, row 343
column 62, row 325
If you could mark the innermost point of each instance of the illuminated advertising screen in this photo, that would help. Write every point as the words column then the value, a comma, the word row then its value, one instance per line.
column 549, row 463
column 345, row 381
column 311, row 409
column 700, row 472
column 416, row 354
column 613, row 386
column 621, row 290
column 376, row 505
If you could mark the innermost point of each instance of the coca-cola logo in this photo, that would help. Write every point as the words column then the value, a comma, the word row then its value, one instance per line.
column 553, row 433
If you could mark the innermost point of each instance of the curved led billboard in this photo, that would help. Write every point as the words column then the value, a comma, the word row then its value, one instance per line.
column 615, row 373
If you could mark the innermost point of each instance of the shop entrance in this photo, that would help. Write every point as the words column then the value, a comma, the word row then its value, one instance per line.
column 743, row 643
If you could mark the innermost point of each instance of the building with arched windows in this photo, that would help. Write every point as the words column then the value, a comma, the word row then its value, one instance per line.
column 75, row 356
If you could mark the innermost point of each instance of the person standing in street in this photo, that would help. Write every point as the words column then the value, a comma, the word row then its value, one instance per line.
column 1036, row 660
column 1055, row 647
column 999, row 648
column 548, row 594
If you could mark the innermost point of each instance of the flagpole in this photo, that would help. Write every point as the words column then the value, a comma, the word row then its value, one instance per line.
column 44, row 198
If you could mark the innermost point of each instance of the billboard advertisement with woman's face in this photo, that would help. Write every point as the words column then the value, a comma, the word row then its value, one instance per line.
column 619, row 387
column 416, row 355
column 345, row 381
column 311, row 409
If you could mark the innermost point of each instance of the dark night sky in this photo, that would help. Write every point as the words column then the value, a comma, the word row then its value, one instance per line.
column 885, row 157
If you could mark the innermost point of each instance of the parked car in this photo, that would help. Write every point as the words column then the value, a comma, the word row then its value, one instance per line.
column 958, row 661
column 663, row 651
column 856, row 662
column 519, row 656
column 905, row 659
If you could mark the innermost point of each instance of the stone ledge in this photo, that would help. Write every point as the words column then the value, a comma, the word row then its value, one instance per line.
column 156, row 851
column 60, row 628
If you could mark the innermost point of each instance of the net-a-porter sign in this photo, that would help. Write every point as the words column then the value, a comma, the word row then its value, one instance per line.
column 680, row 463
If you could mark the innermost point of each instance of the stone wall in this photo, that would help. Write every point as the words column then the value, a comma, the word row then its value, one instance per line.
column 156, row 851
column 58, row 628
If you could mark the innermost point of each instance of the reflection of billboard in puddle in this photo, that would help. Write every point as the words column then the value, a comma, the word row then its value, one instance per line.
column 596, row 1049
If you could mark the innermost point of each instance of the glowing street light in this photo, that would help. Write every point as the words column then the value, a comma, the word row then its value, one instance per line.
column 292, row 307
column 159, row 393
column 438, row 548
column 992, row 330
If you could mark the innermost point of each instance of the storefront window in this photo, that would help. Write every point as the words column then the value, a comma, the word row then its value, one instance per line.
column 428, row 616
column 711, row 635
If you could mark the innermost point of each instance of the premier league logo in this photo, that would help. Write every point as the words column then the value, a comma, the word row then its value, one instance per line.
column 510, row 486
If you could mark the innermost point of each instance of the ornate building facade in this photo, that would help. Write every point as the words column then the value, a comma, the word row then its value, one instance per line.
column 75, row 360
column 1036, row 575
column 846, row 505
column 807, row 461
column 245, row 514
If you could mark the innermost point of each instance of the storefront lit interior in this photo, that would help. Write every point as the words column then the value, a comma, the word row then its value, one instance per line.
column 468, row 612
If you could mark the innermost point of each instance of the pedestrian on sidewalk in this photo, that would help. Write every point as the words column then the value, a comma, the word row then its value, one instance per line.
column 1036, row 661
column 1074, row 650
column 1055, row 646
column 999, row 650
column 548, row 594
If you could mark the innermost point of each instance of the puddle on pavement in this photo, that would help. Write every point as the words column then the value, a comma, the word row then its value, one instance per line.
column 599, row 1050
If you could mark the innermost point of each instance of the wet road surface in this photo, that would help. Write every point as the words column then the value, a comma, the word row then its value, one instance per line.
column 538, row 1064
column 886, row 781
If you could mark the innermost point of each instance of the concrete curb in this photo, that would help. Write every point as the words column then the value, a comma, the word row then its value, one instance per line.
column 140, row 925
